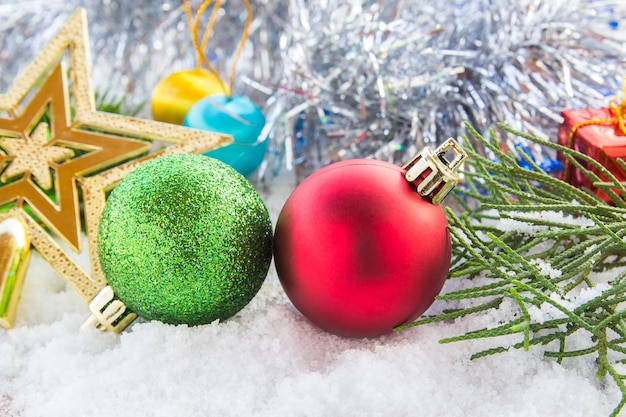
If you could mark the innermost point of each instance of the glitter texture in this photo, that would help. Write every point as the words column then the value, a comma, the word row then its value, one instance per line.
column 185, row 239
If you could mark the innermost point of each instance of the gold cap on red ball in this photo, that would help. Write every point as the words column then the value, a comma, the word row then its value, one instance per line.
column 433, row 173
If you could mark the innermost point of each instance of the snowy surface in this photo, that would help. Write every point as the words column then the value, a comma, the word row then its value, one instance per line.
column 269, row 361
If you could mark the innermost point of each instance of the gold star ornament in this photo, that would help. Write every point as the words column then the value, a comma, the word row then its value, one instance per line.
column 50, row 170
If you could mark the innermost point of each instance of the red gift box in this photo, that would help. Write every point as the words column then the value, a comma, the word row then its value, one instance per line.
column 600, row 139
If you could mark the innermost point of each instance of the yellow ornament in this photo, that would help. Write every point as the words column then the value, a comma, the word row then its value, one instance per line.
column 174, row 95
column 44, row 180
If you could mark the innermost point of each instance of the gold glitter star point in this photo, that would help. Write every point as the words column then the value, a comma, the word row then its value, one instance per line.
column 33, row 155
column 48, row 170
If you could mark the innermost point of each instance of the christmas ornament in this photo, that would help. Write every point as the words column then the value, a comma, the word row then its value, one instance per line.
column 236, row 116
column 600, row 134
column 185, row 239
column 75, row 158
column 177, row 93
column 14, row 255
column 358, row 250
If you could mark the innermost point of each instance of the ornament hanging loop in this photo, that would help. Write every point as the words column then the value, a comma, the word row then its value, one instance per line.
column 194, row 26
column 200, row 46
column 433, row 173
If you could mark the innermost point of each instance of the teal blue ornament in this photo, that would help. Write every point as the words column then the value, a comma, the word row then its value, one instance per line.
column 236, row 116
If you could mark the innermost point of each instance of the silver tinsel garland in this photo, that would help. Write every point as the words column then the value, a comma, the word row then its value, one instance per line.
column 346, row 78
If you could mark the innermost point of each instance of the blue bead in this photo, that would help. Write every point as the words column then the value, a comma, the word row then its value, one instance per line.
column 236, row 116
column 552, row 166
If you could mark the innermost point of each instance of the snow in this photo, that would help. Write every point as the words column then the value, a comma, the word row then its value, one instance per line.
column 545, row 268
column 270, row 361
column 519, row 225
column 547, row 312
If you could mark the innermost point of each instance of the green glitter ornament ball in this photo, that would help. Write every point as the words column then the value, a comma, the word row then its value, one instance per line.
column 185, row 239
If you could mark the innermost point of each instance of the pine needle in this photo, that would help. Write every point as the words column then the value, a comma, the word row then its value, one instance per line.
column 565, row 236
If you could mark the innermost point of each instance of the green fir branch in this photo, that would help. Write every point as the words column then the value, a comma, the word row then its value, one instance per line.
column 512, row 263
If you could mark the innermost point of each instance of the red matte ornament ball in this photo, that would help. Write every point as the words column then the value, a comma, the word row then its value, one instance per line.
column 358, row 251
